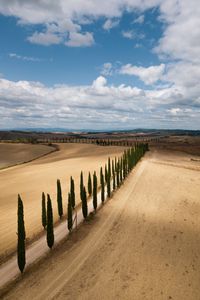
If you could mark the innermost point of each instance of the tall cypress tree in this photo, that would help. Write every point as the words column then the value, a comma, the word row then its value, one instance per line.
column 121, row 170
column 106, row 173
column 108, row 185
column 50, row 232
column 84, row 203
column 115, row 163
column 113, row 174
column 126, row 163
column 124, row 167
column 44, row 212
column 89, row 185
column 21, row 251
column 102, row 185
column 59, row 199
column 95, row 191
column 72, row 193
column 118, row 182
column 69, row 213
column 109, row 168
column 81, row 185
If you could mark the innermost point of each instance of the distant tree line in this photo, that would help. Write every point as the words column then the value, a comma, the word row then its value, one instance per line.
column 111, row 177
column 129, row 142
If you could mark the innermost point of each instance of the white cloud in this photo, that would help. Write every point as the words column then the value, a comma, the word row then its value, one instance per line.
column 27, row 104
column 67, row 17
column 99, row 82
column 107, row 69
column 181, row 38
column 137, row 45
column 182, row 113
column 25, row 58
column 45, row 38
column 132, row 34
column 109, row 24
column 129, row 34
column 77, row 39
column 63, row 22
column 149, row 75
column 175, row 111
column 139, row 20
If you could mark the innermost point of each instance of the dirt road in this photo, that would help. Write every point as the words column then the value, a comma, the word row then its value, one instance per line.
column 143, row 244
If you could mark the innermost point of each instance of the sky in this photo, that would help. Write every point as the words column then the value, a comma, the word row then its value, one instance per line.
column 101, row 65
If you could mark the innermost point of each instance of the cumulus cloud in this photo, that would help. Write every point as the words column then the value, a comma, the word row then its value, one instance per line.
column 99, row 82
column 181, row 38
column 44, row 38
column 109, row 24
column 77, row 39
column 73, row 14
column 107, row 69
column 132, row 34
column 129, row 34
column 27, row 104
column 148, row 75
column 30, row 102
column 63, row 22
column 139, row 20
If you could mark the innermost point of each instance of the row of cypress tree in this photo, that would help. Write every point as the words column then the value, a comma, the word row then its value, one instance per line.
column 97, row 141
column 114, row 173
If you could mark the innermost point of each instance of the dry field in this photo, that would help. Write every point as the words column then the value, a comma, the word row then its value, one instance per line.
column 12, row 154
column 143, row 244
column 183, row 143
column 38, row 176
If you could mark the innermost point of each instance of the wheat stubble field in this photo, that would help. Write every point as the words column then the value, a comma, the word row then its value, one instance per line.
column 143, row 244
column 15, row 153
column 33, row 178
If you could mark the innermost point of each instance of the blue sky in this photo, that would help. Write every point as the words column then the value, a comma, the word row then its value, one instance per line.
column 84, row 64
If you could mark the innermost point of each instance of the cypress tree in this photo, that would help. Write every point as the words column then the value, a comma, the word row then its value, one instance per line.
column 126, row 163
column 50, row 232
column 21, row 251
column 81, row 185
column 109, row 168
column 119, row 166
column 69, row 213
column 89, row 185
column 106, row 173
column 115, row 163
column 113, row 174
column 123, row 167
column 118, row 183
column 72, row 193
column 95, row 191
column 121, row 175
column 59, row 199
column 102, row 186
column 108, row 185
column 44, row 212
column 84, row 203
